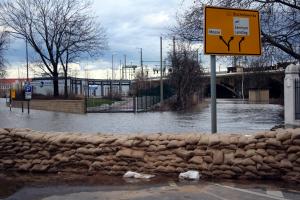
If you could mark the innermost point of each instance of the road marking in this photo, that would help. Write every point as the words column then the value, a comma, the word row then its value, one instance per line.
column 251, row 192
column 216, row 196
column 275, row 193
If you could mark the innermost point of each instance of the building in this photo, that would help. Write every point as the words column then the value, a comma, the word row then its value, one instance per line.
column 7, row 84
column 43, row 86
column 78, row 86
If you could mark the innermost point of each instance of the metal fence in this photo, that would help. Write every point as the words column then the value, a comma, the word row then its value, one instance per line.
column 297, row 99
column 126, row 104
column 146, row 103
column 105, row 105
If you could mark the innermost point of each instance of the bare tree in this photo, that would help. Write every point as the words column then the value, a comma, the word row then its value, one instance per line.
column 280, row 22
column 84, row 37
column 3, row 47
column 190, row 23
column 50, row 27
column 185, row 75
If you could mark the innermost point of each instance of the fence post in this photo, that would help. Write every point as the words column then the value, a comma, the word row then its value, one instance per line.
column 291, row 93
column 135, row 104
column 85, row 103
column 10, row 100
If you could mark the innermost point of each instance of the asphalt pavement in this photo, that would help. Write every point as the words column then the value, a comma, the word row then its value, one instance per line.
column 70, row 187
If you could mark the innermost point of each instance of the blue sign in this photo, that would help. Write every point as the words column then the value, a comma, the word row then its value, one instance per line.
column 28, row 88
column 28, row 91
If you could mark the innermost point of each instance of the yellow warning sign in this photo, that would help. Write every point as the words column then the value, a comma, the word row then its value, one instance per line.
column 231, row 31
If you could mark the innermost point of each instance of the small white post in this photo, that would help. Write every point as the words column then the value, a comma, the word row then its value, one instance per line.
column 291, row 75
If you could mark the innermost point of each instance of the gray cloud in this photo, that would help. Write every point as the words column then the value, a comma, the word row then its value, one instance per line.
column 130, row 24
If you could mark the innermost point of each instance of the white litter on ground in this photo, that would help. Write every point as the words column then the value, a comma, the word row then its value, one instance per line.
column 136, row 175
column 190, row 175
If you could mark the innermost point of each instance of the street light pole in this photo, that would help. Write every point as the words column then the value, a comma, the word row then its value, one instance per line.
column 161, row 75
column 112, row 67
column 125, row 63
column 121, row 69
column 112, row 74
column 142, row 62
column 27, row 77
column 27, row 74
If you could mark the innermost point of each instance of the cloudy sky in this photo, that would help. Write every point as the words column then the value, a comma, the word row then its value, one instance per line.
column 130, row 25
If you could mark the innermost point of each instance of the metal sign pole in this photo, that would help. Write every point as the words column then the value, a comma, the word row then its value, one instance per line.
column 28, row 107
column 213, row 94
column 161, row 76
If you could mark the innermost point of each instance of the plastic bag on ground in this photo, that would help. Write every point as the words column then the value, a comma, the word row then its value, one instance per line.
column 190, row 175
column 136, row 175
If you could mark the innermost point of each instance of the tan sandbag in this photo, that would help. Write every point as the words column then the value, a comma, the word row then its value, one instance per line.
column 218, row 157
column 293, row 149
column 175, row 144
column 196, row 160
column 228, row 158
column 283, row 135
column 204, row 140
column 286, row 164
column 274, row 142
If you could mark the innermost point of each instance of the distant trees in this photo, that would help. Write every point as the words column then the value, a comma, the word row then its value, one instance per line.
column 3, row 47
column 185, row 75
column 280, row 21
column 59, row 31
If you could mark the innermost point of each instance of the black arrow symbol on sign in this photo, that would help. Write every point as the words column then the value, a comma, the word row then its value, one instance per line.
column 227, row 43
column 240, row 43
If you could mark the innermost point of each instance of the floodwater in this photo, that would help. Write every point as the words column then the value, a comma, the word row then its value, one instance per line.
column 234, row 116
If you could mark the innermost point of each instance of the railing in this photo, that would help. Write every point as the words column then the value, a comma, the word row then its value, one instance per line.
column 126, row 104
column 146, row 103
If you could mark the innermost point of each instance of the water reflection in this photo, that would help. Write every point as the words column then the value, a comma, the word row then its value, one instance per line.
column 233, row 116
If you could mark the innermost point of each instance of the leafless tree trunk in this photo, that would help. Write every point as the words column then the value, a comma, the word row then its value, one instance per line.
column 85, row 38
column 3, row 48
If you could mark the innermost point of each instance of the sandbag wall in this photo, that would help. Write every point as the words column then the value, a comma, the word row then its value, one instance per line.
column 274, row 154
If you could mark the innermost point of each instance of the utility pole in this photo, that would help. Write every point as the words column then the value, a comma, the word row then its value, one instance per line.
column 125, row 60
column 142, row 62
column 120, row 69
column 161, row 75
column 112, row 74
column 174, row 47
column 112, row 67
column 235, row 59
column 27, row 65
column 27, row 74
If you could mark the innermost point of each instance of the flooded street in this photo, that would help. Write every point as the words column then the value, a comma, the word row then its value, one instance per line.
column 234, row 116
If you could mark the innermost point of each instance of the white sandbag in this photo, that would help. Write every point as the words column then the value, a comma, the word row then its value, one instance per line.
column 190, row 175
column 136, row 175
